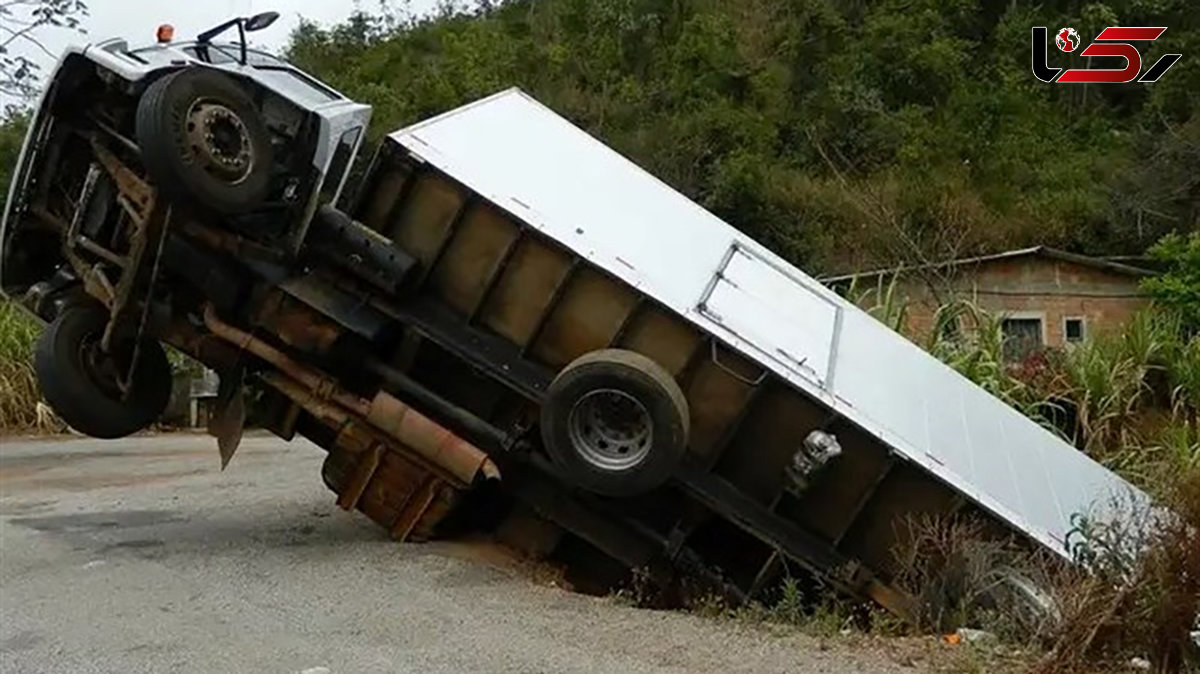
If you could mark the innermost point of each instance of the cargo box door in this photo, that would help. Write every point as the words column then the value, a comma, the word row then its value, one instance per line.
column 774, row 313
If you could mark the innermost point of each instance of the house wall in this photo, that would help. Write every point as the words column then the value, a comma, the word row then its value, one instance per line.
column 1032, row 287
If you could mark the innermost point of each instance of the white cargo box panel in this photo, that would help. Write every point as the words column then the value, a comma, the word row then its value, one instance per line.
column 556, row 178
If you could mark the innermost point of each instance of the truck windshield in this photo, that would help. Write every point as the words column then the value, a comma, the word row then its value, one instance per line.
column 231, row 53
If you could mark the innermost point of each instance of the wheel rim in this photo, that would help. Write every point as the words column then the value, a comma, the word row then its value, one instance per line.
column 102, row 369
column 219, row 141
column 610, row 429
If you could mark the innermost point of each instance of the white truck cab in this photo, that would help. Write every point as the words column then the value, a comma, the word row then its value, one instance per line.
column 234, row 131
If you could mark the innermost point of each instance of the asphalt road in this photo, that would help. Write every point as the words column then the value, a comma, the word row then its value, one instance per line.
column 139, row 555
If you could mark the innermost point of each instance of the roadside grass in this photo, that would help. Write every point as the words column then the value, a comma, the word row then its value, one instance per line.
column 1136, row 606
column 19, row 396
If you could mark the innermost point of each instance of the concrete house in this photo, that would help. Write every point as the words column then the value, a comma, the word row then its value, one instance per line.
column 1047, row 297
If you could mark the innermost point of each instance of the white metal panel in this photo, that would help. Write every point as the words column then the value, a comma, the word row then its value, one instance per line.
column 780, row 315
column 529, row 161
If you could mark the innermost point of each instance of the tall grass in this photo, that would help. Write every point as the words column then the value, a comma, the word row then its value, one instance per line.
column 1184, row 372
column 19, row 394
column 1142, row 605
column 882, row 302
column 1106, row 385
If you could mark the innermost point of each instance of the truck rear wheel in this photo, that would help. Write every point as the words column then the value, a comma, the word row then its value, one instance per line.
column 79, row 380
column 202, row 140
column 615, row 422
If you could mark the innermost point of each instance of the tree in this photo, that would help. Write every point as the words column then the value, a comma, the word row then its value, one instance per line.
column 20, row 21
column 12, row 134
column 1178, row 287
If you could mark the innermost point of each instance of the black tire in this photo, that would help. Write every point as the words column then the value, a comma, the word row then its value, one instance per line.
column 615, row 422
column 88, row 399
column 188, row 167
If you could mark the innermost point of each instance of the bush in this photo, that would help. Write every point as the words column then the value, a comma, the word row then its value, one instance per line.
column 1142, row 605
column 958, row 576
column 19, row 395
column 1178, row 287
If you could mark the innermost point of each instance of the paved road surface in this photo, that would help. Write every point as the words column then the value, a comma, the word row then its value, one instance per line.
column 141, row 556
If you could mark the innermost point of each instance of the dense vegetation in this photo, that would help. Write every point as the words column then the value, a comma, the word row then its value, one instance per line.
column 12, row 134
column 839, row 133
column 842, row 134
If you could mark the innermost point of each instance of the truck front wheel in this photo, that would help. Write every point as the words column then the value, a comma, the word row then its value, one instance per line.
column 80, row 380
column 202, row 140
column 615, row 422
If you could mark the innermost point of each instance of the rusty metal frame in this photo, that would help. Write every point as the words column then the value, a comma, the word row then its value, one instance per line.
column 150, row 220
column 495, row 275
column 635, row 311
column 861, row 504
column 414, row 507
column 364, row 469
column 730, row 434
column 556, row 296
column 469, row 203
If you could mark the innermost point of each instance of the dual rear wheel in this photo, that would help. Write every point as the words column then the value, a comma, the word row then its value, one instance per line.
column 615, row 423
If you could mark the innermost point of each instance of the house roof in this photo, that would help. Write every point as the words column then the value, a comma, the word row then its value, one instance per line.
column 1107, row 264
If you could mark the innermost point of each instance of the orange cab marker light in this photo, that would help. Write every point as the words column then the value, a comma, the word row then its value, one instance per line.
column 166, row 32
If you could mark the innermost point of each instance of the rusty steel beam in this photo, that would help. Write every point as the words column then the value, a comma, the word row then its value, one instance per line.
column 414, row 509
column 353, row 435
column 364, row 470
column 429, row 438
column 412, row 429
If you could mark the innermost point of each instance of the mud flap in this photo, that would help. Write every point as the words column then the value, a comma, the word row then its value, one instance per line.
column 229, row 418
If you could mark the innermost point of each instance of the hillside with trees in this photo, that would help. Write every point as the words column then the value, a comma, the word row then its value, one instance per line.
column 841, row 134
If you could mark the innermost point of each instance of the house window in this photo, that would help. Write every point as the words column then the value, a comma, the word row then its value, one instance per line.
column 1022, row 336
column 1073, row 330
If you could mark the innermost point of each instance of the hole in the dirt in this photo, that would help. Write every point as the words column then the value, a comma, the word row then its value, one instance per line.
column 587, row 569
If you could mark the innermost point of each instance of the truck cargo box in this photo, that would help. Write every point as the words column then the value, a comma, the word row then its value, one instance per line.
column 538, row 244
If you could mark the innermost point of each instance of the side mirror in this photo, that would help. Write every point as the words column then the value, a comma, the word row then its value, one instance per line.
column 260, row 21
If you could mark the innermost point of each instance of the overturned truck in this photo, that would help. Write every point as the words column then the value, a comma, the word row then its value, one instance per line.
column 505, row 302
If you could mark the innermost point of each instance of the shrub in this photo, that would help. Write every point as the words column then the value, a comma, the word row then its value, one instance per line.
column 1178, row 287
column 19, row 394
column 1135, row 605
